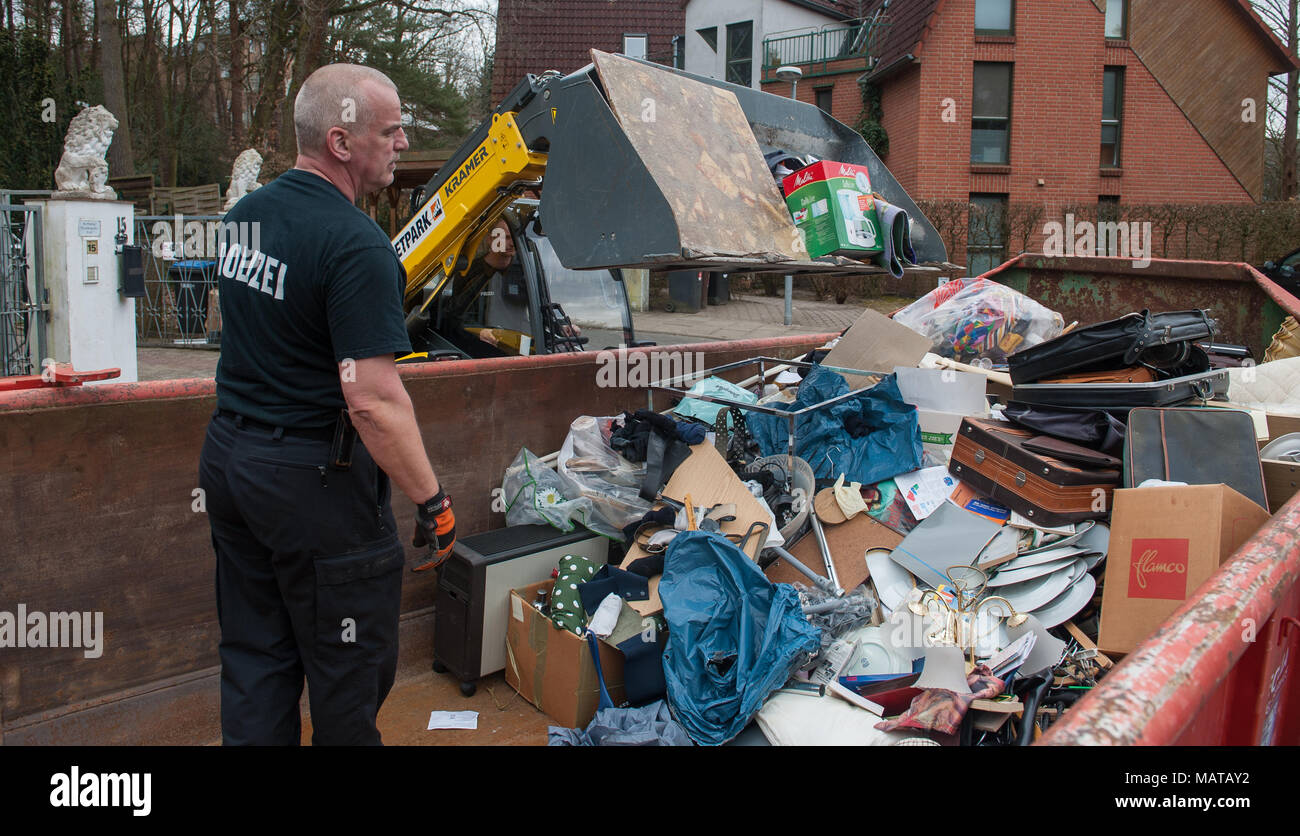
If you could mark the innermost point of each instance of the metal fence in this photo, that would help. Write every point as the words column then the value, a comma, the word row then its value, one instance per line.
column 823, row 46
column 180, row 303
column 22, row 321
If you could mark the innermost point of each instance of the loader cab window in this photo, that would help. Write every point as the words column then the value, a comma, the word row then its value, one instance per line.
column 593, row 300
column 500, row 315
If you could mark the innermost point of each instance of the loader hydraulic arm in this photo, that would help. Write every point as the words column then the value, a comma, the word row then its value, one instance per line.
column 450, row 225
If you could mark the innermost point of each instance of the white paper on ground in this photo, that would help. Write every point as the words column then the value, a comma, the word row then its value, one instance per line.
column 926, row 489
column 453, row 720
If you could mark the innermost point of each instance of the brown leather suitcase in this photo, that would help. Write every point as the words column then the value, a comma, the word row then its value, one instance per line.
column 991, row 457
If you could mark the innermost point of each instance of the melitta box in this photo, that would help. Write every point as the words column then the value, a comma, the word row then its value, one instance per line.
column 832, row 205
column 1164, row 543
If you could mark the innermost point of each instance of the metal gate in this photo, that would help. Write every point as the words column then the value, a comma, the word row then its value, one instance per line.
column 179, row 279
column 22, row 322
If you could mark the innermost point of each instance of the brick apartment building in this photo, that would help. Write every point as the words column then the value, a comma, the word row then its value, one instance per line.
column 1062, row 102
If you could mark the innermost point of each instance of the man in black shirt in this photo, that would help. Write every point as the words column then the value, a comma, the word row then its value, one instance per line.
column 308, row 558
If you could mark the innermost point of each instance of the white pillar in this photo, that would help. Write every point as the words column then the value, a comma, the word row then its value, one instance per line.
column 91, row 325
column 637, row 285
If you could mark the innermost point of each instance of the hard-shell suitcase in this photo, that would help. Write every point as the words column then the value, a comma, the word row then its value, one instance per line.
column 1195, row 445
column 991, row 457
column 1121, row 397
column 1161, row 341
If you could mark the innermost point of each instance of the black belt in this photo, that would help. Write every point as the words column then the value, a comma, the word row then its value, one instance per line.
column 325, row 434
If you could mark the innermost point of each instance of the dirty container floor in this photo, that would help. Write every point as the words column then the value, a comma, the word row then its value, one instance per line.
column 504, row 717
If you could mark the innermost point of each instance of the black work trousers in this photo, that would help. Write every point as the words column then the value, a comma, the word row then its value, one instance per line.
column 309, row 581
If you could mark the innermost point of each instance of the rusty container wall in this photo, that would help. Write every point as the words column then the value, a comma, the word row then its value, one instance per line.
column 1222, row 670
column 98, row 490
column 1247, row 305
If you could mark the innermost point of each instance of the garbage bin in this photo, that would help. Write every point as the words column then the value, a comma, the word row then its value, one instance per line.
column 190, row 282
column 719, row 289
column 686, row 290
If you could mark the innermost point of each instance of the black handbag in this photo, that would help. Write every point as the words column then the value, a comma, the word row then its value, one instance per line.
column 1199, row 446
column 1162, row 342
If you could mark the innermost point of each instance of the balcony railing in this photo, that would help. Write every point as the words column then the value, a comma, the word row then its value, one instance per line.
column 857, row 40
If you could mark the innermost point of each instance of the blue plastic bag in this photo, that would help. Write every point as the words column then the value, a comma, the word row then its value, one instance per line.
column 891, row 444
column 734, row 637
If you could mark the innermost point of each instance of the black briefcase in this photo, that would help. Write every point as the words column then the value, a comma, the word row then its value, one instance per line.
column 1199, row 446
column 1162, row 342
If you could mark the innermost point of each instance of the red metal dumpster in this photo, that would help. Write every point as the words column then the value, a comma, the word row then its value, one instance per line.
column 1221, row 670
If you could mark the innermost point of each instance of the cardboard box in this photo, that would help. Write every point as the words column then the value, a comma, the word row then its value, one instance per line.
column 942, row 397
column 1164, row 543
column 832, row 206
column 875, row 343
column 552, row 668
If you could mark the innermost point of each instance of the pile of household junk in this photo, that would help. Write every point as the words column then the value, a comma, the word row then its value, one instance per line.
column 901, row 538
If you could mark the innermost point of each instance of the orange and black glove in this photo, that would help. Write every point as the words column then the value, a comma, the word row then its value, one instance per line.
column 435, row 527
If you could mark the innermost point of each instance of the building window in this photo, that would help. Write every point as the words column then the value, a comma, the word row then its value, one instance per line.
column 1112, row 101
column 740, row 53
column 995, row 17
column 710, row 37
column 824, row 98
column 986, row 234
column 1117, row 19
column 679, row 52
column 635, row 46
column 991, row 115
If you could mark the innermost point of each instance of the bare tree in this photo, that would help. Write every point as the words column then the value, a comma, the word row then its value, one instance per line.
column 120, row 158
column 1284, row 96
column 238, row 51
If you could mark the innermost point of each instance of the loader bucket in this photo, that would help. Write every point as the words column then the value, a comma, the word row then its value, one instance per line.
column 656, row 168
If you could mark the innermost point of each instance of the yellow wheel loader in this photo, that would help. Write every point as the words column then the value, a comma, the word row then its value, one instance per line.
column 518, row 244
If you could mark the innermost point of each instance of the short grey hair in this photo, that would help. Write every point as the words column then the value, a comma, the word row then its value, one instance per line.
column 327, row 96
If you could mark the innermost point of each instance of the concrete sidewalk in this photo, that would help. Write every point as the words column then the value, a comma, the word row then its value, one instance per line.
column 757, row 317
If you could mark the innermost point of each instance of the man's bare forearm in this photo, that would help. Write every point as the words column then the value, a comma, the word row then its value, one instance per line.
column 391, row 434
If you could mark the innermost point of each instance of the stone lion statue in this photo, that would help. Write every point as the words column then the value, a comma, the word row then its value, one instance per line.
column 243, row 177
column 82, row 171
